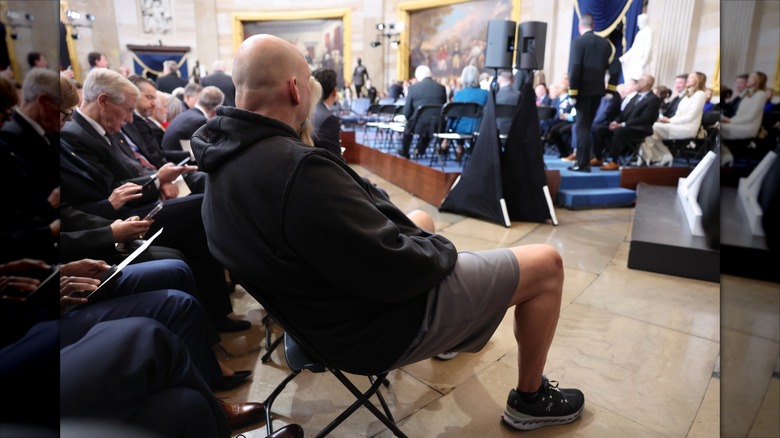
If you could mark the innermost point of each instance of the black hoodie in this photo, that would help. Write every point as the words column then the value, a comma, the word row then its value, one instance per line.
column 343, row 265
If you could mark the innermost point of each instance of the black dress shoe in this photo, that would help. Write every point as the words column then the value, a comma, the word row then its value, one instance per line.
column 289, row 431
column 578, row 168
column 225, row 324
column 226, row 383
column 242, row 414
column 402, row 154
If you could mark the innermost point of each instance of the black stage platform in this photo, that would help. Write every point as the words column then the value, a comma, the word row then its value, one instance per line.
column 661, row 240
column 742, row 253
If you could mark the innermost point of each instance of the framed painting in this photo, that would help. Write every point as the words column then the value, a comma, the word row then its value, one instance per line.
column 448, row 35
column 322, row 36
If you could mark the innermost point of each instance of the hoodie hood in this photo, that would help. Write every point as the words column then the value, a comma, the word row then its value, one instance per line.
column 232, row 131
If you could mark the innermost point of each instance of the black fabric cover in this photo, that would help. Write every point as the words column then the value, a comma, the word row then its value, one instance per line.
column 477, row 192
column 522, row 165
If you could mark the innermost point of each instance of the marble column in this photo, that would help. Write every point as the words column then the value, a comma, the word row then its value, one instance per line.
column 736, row 51
column 672, row 38
column 206, row 34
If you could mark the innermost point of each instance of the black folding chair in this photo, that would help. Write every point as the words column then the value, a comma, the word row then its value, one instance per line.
column 425, row 117
column 301, row 355
column 453, row 114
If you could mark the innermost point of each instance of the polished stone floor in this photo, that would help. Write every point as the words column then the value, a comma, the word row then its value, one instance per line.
column 645, row 349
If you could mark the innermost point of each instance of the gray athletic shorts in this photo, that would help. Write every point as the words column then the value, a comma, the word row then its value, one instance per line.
column 465, row 309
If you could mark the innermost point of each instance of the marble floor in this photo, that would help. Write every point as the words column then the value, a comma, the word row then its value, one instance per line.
column 645, row 349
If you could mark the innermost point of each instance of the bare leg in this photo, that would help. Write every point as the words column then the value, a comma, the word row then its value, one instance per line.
column 422, row 220
column 537, row 302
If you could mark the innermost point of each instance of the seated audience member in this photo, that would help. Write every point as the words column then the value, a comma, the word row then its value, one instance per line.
column 708, row 105
column 221, row 80
column 628, row 91
column 632, row 125
column 608, row 109
column 747, row 120
column 679, row 88
column 559, row 92
column 184, row 125
column 170, row 79
column 140, row 133
column 175, row 106
column 684, row 124
column 506, row 95
column 664, row 94
column 93, row 164
column 443, row 301
column 542, row 97
column 327, row 127
column 471, row 92
column 425, row 92
column 729, row 105
column 190, row 95
column 32, row 131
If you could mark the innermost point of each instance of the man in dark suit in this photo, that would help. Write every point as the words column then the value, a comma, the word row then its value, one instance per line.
column 147, row 144
column 32, row 131
column 679, row 87
column 425, row 92
column 632, row 125
column 186, row 123
column 170, row 79
column 221, row 80
column 103, row 162
column 327, row 127
column 590, row 57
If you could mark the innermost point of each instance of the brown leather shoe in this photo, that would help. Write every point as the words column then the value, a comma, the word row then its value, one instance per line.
column 595, row 162
column 610, row 166
column 289, row 431
column 242, row 414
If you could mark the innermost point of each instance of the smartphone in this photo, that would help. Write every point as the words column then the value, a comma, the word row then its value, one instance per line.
column 183, row 162
column 147, row 183
column 154, row 211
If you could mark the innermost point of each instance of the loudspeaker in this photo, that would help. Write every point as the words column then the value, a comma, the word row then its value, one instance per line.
column 500, row 44
column 531, row 38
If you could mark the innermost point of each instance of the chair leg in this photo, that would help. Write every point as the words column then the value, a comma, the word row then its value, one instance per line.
column 269, row 346
column 270, row 400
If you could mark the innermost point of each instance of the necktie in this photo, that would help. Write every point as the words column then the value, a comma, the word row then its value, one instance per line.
column 129, row 156
column 144, row 162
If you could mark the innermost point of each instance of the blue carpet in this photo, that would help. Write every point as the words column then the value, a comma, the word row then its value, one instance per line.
column 597, row 189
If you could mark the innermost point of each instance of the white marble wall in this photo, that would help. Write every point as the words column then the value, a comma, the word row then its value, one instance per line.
column 750, row 42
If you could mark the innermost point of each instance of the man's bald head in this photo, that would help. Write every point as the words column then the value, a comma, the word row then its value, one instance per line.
column 272, row 78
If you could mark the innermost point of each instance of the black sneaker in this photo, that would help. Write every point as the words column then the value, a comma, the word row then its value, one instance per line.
column 550, row 406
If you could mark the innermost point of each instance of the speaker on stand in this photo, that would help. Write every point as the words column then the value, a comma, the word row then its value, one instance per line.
column 500, row 47
column 531, row 40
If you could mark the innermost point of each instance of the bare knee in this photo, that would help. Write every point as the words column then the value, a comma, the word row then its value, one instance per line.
column 541, row 271
column 422, row 220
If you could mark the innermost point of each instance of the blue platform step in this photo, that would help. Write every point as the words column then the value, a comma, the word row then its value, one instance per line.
column 596, row 189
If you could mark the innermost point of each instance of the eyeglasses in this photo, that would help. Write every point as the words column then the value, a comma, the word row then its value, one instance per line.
column 67, row 113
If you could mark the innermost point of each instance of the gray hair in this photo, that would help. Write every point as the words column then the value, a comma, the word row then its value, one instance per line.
column 175, row 106
column 218, row 65
column 41, row 81
column 192, row 89
column 211, row 97
column 422, row 72
column 470, row 77
column 104, row 81
column 171, row 65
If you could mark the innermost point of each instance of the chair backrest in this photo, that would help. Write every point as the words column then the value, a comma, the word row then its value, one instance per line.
column 505, row 111
column 427, row 113
column 360, row 105
column 453, row 112
column 545, row 112
column 386, row 101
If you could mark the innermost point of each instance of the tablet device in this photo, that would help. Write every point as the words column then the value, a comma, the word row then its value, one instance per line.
column 147, row 183
column 183, row 162
column 114, row 272
column 154, row 211
column 48, row 290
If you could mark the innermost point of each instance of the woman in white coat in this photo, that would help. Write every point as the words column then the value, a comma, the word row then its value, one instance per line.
column 747, row 121
column 684, row 124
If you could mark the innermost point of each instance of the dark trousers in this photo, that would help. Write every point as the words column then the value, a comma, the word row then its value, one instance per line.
column 560, row 136
column 420, row 127
column 135, row 370
column 587, row 106
column 617, row 140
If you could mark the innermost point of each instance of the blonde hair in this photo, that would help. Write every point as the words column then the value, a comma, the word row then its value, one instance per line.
column 307, row 128
column 701, row 83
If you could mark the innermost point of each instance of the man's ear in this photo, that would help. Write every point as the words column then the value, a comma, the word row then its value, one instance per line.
column 335, row 92
column 295, row 95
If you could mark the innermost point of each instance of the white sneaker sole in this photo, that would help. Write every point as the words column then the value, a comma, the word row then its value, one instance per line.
column 530, row 423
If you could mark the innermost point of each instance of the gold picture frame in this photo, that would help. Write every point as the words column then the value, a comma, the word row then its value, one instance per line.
column 406, row 9
column 241, row 19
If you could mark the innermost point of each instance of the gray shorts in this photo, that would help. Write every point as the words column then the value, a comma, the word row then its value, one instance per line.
column 465, row 309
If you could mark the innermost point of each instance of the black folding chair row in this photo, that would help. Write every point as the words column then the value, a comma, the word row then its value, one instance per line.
column 451, row 115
